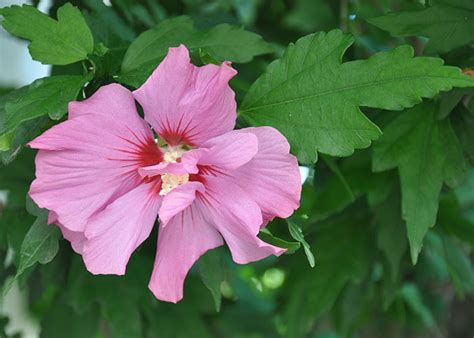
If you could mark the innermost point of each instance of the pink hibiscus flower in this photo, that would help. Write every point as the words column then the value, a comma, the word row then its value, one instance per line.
column 105, row 179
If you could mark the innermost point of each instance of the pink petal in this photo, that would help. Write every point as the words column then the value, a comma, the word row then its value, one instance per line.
column 178, row 199
column 244, row 246
column 77, row 239
column 272, row 177
column 227, row 196
column 186, row 237
column 238, row 218
column 188, row 104
column 116, row 232
column 87, row 162
column 230, row 150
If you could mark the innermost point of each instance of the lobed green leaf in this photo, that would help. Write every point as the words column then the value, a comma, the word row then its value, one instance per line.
column 314, row 100
column 58, row 42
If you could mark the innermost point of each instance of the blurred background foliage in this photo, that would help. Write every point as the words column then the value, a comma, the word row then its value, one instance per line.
column 363, row 283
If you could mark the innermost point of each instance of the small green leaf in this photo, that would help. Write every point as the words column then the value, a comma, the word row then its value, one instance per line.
column 266, row 236
column 297, row 234
column 427, row 153
column 447, row 24
column 57, row 42
column 40, row 245
column 314, row 100
column 223, row 42
column 212, row 272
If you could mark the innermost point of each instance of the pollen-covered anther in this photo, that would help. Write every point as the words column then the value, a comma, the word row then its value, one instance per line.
column 171, row 181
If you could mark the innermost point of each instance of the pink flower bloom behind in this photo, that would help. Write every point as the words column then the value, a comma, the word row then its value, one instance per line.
column 105, row 180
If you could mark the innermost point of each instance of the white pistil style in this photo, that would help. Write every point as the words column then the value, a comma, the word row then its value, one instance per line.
column 171, row 181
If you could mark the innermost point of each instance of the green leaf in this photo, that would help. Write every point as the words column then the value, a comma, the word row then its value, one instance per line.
column 344, row 251
column 452, row 220
column 107, row 26
column 46, row 96
column 463, row 124
column 352, row 180
column 314, row 100
column 391, row 233
column 297, row 234
column 205, row 58
column 266, row 236
column 223, row 42
column 22, row 135
column 119, row 297
column 62, row 321
column 450, row 99
column 212, row 271
column 6, row 141
column 178, row 320
column 40, row 245
column 7, row 138
column 448, row 24
column 459, row 266
column 427, row 153
column 413, row 298
column 332, row 165
column 432, row 264
column 16, row 179
column 56, row 42
column 310, row 16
